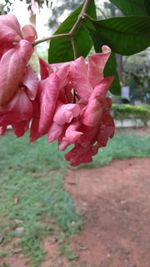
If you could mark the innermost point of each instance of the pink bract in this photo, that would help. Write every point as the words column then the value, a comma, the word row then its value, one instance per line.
column 18, row 82
column 12, row 69
column 18, row 88
column 74, row 107
column 11, row 32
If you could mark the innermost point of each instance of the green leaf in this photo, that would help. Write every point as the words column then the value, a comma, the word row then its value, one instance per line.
column 131, row 7
column 124, row 35
column 147, row 6
column 60, row 49
column 111, row 70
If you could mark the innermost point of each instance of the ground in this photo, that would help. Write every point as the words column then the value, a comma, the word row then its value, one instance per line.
column 114, row 204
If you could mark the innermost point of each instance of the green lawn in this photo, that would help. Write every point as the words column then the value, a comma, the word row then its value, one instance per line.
column 32, row 194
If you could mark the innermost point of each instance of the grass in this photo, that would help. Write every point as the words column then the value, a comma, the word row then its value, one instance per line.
column 31, row 188
column 123, row 146
column 32, row 194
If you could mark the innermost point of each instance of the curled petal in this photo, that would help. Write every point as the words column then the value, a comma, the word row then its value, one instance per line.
column 34, row 129
column 96, row 65
column 10, row 29
column 78, row 76
column 45, row 69
column 20, row 128
column 106, row 130
column 65, row 113
column 17, row 110
column 30, row 80
column 92, row 114
column 72, row 135
column 29, row 33
column 55, row 132
column 49, row 96
column 62, row 75
column 97, row 101
column 12, row 68
column 79, row 155
column 101, row 89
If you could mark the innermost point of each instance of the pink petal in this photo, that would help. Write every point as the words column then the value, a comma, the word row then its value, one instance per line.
column 12, row 68
column 34, row 130
column 79, row 79
column 96, row 65
column 45, row 69
column 71, row 136
column 20, row 128
column 89, row 134
column 93, row 113
column 29, row 33
column 49, row 96
column 79, row 155
column 30, row 80
column 106, row 130
column 55, row 132
column 101, row 89
column 19, row 109
column 9, row 29
column 65, row 113
column 62, row 74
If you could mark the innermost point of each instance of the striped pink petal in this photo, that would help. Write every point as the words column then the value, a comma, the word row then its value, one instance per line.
column 79, row 80
column 29, row 33
column 96, row 65
column 30, row 80
column 49, row 97
column 65, row 113
column 12, row 68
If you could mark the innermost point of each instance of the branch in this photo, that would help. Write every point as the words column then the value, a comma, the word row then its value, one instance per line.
column 50, row 38
column 71, row 32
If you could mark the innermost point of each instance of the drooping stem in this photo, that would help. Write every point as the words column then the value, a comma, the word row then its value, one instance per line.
column 72, row 31
column 73, row 47
column 50, row 38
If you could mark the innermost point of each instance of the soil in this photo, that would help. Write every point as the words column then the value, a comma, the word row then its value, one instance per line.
column 114, row 202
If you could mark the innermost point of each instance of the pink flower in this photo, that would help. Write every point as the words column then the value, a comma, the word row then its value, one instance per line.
column 11, row 32
column 18, row 88
column 18, row 82
column 74, row 108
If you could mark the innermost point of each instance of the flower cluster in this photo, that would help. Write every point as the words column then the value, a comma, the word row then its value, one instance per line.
column 18, row 82
column 69, row 103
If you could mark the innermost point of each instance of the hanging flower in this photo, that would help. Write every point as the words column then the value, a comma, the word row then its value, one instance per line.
column 18, row 82
column 11, row 32
column 18, row 88
column 74, row 108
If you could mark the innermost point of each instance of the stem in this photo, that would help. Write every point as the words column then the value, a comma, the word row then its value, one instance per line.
column 50, row 38
column 73, row 47
column 80, row 17
column 71, row 32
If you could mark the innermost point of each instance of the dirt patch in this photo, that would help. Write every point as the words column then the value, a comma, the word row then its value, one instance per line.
column 114, row 202
column 12, row 254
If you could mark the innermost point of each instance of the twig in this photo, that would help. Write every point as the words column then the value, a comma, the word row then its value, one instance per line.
column 71, row 32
